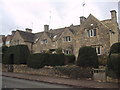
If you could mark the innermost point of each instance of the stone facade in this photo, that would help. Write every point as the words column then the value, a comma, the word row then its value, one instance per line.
column 91, row 32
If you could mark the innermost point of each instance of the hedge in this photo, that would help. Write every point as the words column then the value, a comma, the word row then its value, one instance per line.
column 39, row 60
column 20, row 54
column 113, row 62
column 87, row 57
column 55, row 60
column 115, row 48
column 70, row 59
column 113, row 65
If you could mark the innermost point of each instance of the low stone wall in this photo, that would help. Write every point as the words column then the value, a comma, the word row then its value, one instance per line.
column 49, row 71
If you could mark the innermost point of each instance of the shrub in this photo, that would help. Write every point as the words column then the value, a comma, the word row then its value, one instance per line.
column 20, row 54
column 3, row 50
column 70, row 59
column 73, row 71
column 113, row 62
column 87, row 57
column 55, row 60
column 37, row 60
column 115, row 48
column 113, row 65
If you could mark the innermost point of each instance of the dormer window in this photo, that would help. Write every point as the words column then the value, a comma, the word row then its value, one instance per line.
column 44, row 41
column 67, row 39
column 92, row 32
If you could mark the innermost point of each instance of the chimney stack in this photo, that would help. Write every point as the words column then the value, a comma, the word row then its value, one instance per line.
column 13, row 32
column 82, row 19
column 113, row 15
column 28, row 30
column 46, row 27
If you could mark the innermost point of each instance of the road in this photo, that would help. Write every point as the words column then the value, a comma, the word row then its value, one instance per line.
column 8, row 82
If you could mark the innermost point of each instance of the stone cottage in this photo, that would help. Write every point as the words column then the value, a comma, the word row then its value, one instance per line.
column 91, row 32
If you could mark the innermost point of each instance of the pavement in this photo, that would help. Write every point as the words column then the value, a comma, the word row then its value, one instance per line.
column 62, row 81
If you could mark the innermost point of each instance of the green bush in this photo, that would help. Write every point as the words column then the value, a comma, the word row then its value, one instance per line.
column 69, row 59
column 113, row 62
column 37, row 60
column 20, row 54
column 87, row 57
column 113, row 65
column 55, row 60
column 115, row 48
column 3, row 50
column 73, row 71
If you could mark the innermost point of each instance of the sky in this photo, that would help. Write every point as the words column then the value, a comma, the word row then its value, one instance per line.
column 34, row 14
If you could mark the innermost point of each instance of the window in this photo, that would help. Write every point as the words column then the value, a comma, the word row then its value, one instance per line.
column 66, row 51
column 98, row 50
column 91, row 32
column 67, row 39
column 44, row 41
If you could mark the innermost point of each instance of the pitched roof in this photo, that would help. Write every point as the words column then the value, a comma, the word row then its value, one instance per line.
column 9, row 37
column 108, row 23
column 54, row 34
column 28, row 37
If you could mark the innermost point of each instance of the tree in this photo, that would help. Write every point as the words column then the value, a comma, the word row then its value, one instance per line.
column 87, row 57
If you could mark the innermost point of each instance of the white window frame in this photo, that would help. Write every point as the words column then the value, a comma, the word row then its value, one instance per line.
column 92, row 32
column 66, row 51
column 67, row 39
column 98, row 50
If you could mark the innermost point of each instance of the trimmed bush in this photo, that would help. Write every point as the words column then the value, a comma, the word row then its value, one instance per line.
column 115, row 48
column 3, row 50
column 113, row 65
column 113, row 62
column 55, row 60
column 87, row 57
column 19, row 54
column 69, row 59
column 37, row 60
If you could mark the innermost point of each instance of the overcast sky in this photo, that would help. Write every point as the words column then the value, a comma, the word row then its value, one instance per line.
column 21, row 14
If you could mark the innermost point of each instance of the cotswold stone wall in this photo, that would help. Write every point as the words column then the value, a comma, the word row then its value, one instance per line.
column 67, row 71
column 24, row 69
column 60, row 71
